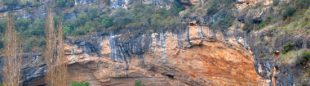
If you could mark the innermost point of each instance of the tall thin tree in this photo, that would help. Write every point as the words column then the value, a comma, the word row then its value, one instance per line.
column 54, row 53
column 61, row 63
column 13, row 58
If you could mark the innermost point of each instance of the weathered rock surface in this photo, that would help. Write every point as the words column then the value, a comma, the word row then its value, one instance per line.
column 185, row 68
column 181, row 57
column 205, row 63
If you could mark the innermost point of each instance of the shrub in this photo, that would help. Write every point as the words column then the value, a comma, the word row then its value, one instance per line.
column 287, row 47
column 222, row 20
column 79, row 83
column 138, row 83
column 288, row 12
column 38, row 24
column 106, row 21
column 82, row 18
column 64, row 3
column 68, row 27
column 262, row 25
column 32, row 43
column 37, row 32
column 23, row 22
column 306, row 55
column 221, row 16
column 176, row 8
column 83, row 30
column 67, row 30
column 214, row 6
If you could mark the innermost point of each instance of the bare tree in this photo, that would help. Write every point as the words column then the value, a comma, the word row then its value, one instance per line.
column 13, row 60
column 49, row 47
column 54, row 53
column 62, row 65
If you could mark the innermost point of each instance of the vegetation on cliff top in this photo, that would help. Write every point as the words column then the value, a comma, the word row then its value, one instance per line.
column 219, row 15
column 92, row 20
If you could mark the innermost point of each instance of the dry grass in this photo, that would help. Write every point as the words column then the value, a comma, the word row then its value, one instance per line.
column 54, row 54
column 13, row 60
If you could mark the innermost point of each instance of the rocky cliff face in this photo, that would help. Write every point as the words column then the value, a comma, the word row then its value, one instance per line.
column 191, row 54
column 33, row 71
column 161, row 60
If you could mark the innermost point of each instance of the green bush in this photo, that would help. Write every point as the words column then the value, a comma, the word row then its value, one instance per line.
column 83, row 29
column 306, row 55
column 214, row 6
column 64, row 3
column 288, row 47
column 82, row 18
column 27, row 28
column 176, row 8
column 68, row 27
column 220, row 12
column 79, row 83
column 22, row 25
column 106, row 22
column 33, row 43
column 264, row 23
column 138, row 83
column 67, row 30
column 288, row 12
column 23, row 21
column 31, row 33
